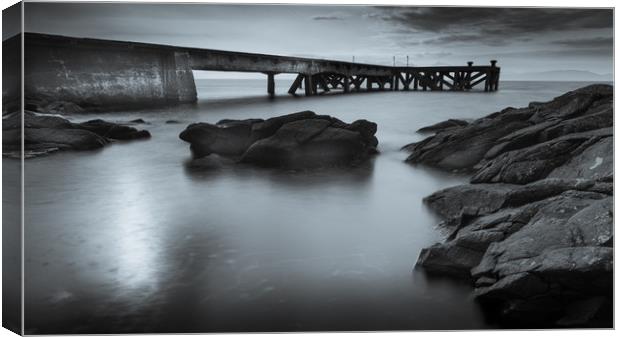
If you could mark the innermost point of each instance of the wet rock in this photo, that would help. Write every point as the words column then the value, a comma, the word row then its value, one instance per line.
column 46, row 134
column 296, row 141
column 595, row 162
column 138, row 121
column 450, row 123
column 62, row 108
column 534, row 229
column 225, row 139
column 479, row 144
column 538, row 161
column 113, row 130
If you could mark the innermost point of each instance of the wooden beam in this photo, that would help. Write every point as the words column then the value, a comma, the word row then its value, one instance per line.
column 271, row 85
column 296, row 84
column 478, row 82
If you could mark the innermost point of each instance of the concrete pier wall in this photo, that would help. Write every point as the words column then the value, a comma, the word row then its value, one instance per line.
column 95, row 74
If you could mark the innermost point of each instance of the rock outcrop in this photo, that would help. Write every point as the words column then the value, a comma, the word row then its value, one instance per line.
column 45, row 134
column 295, row 141
column 534, row 229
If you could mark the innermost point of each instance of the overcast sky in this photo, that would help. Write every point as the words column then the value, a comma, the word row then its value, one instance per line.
column 523, row 40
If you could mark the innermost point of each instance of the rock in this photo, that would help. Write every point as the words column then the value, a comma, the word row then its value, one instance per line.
column 172, row 121
column 450, row 123
column 534, row 228
column 307, row 144
column 537, row 161
column 470, row 200
column 46, row 134
column 62, row 108
column 70, row 139
column 224, row 139
column 595, row 162
column 460, row 149
column 138, row 121
column 35, row 121
column 112, row 130
column 296, row 141
column 473, row 146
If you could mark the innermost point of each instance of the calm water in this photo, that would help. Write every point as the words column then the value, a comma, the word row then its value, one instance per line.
column 127, row 239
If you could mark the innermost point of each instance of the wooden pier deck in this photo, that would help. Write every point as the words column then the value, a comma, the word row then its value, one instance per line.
column 99, row 73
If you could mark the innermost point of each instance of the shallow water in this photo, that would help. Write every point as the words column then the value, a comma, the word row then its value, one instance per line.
column 127, row 239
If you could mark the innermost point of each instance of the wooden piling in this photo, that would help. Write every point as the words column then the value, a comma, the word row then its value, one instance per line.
column 308, row 85
column 296, row 84
column 271, row 84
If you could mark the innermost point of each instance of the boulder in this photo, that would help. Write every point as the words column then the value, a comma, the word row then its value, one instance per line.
column 296, row 141
column 113, row 130
column 44, row 134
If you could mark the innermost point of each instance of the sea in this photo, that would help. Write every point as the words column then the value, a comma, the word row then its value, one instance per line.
column 130, row 239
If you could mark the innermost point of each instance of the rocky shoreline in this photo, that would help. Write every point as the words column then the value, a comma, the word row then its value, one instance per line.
column 533, row 230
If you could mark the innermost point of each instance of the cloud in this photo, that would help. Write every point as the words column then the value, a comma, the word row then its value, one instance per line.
column 596, row 42
column 466, row 38
column 498, row 22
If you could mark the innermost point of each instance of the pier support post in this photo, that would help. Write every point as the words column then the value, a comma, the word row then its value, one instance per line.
column 308, row 85
column 346, row 84
column 296, row 84
column 271, row 85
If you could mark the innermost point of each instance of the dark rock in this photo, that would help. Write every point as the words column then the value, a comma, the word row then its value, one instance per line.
column 172, row 121
column 224, row 139
column 473, row 200
column 45, row 134
column 62, row 108
column 138, row 121
column 595, row 162
column 537, row 161
column 534, row 230
column 307, row 144
column 295, row 141
column 112, row 130
column 35, row 121
column 473, row 146
column 450, row 123
column 70, row 139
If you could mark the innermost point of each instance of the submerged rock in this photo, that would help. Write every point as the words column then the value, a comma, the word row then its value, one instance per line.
column 295, row 141
column 534, row 230
column 45, row 134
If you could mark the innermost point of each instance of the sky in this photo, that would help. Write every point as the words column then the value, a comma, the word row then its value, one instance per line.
column 523, row 40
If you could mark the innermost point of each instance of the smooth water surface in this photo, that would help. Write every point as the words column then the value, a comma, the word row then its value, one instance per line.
column 127, row 239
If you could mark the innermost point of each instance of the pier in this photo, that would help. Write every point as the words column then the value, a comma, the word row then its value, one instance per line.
column 106, row 73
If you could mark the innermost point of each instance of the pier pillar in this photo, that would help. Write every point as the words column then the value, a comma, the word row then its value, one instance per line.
column 346, row 84
column 271, row 84
column 368, row 83
column 308, row 85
